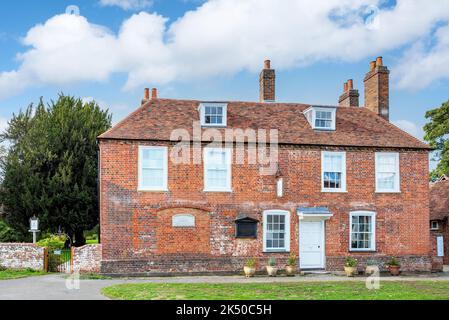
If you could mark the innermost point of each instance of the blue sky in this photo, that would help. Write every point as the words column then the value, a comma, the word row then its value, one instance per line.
column 214, row 50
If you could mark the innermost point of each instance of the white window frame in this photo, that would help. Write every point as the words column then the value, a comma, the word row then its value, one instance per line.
column 203, row 114
column 164, row 186
column 287, row 230
column 343, row 173
column 397, row 179
column 373, row 228
column 228, row 187
column 437, row 225
column 310, row 115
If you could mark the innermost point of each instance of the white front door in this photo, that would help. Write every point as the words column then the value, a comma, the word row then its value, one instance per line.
column 311, row 244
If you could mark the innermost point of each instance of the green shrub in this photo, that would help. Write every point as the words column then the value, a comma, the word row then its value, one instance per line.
column 251, row 263
column 291, row 262
column 394, row 262
column 8, row 234
column 53, row 241
column 272, row 262
column 351, row 262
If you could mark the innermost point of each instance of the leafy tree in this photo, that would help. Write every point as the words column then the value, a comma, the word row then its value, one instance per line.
column 437, row 132
column 50, row 170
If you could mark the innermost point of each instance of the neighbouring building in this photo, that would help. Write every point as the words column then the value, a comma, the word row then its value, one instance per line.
column 439, row 219
column 346, row 182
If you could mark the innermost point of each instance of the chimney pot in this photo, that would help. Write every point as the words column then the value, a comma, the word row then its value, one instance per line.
column 379, row 62
column 372, row 65
column 267, row 64
column 154, row 93
column 146, row 94
column 350, row 84
column 345, row 87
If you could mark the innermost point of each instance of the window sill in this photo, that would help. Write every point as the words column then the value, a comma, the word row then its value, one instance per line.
column 152, row 190
column 276, row 251
column 334, row 191
column 218, row 190
column 387, row 191
column 363, row 251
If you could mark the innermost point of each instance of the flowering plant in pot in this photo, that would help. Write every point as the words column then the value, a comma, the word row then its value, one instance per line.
column 351, row 266
column 290, row 269
column 250, row 267
column 394, row 267
column 371, row 267
column 272, row 270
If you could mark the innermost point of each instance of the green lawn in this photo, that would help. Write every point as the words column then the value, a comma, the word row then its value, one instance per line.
column 354, row 290
column 15, row 274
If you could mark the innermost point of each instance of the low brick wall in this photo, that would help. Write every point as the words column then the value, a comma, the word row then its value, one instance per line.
column 21, row 256
column 87, row 259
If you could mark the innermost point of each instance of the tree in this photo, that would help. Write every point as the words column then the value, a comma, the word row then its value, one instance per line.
column 437, row 133
column 50, row 170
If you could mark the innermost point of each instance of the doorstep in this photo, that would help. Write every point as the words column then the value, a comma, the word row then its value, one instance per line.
column 314, row 271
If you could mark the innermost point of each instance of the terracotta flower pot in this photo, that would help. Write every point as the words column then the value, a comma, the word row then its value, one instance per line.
column 290, row 271
column 394, row 270
column 249, row 271
column 350, row 271
column 272, row 271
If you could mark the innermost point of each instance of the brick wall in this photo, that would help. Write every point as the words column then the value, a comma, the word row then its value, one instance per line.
column 21, row 256
column 86, row 259
column 444, row 232
column 137, row 236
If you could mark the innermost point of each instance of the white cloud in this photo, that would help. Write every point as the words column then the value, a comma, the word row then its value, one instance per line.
column 422, row 66
column 410, row 127
column 128, row 4
column 221, row 37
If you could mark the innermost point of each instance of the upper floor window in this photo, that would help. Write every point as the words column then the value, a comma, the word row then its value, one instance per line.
column 321, row 118
column 152, row 168
column 276, row 231
column 333, row 171
column 213, row 114
column 217, row 169
column 434, row 225
column 387, row 172
column 363, row 231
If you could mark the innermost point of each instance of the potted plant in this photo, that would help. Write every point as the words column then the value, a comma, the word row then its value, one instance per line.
column 290, row 269
column 272, row 270
column 371, row 267
column 250, row 267
column 394, row 267
column 351, row 266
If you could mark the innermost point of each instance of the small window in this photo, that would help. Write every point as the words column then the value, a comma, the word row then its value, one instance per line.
column 217, row 169
column 246, row 228
column 276, row 231
column 321, row 118
column 152, row 168
column 280, row 187
column 333, row 171
column 213, row 114
column 387, row 172
column 434, row 225
column 363, row 231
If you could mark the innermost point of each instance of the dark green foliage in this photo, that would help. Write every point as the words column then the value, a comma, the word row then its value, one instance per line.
column 437, row 134
column 8, row 234
column 50, row 170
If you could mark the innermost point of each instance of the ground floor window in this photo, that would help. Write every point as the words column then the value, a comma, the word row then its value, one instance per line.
column 363, row 231
column 276, row 231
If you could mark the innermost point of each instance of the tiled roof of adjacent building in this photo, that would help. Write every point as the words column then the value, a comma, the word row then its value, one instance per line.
column 439, row 200
column 355, row 126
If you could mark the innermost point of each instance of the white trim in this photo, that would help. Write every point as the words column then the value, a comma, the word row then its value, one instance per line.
column 280, row 187
column 228, row 187
column 213, row 104
column 164, row 186
column 287, row 230
column 343, row 172
column 373, row 228
column 323, row 244
column 397, row 180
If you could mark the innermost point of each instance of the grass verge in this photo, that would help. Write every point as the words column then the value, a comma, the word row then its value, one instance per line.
column 20, row 273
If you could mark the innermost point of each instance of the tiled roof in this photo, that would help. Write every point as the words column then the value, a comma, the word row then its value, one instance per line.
column 156, row 119
column 439, row 200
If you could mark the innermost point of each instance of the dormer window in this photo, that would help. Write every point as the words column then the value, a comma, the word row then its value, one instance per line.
column 321, row 118
column 213, row 114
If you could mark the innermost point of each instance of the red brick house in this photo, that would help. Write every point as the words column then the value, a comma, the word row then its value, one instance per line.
column 439, row 219
column 347, row 182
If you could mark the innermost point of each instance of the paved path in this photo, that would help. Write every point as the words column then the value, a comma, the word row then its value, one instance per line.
column 54, row 286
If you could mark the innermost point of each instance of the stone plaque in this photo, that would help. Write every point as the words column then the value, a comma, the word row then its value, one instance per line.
column 183, row 220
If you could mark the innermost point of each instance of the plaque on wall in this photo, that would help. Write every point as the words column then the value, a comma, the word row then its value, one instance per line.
column 183, row 220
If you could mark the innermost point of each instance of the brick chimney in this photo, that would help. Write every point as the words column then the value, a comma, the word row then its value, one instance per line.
column 267, row 83
column 377, row 89
column 350, row 96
